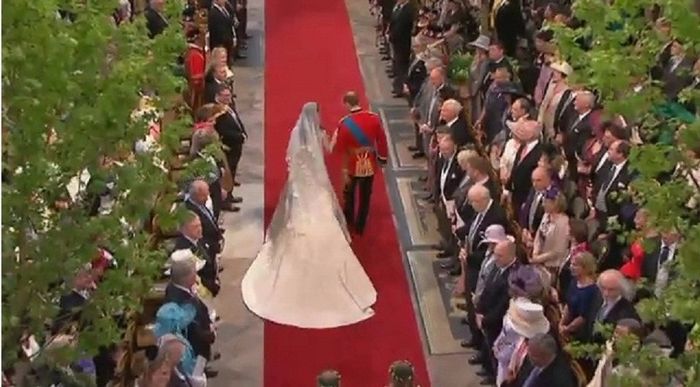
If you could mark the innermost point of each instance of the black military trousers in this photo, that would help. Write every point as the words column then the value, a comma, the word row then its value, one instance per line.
column 357, row 218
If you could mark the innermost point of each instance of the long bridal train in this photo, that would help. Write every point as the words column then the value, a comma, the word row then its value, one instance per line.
column 306, row 274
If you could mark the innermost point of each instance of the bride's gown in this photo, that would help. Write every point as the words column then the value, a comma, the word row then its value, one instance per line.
column 306, row 274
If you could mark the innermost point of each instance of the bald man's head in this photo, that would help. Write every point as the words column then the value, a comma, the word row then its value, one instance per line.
column 199, row 191
column 504, row 253
column 479, row 197
column 541, row 179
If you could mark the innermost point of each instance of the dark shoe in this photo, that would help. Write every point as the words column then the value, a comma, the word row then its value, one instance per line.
column 488, row 381
column 236, row 184
column 469, row 344
column 216, row 356
column 392, row 75
column 476, row 359
column 210, row 373
column 397, row 95
column 462, row 306
column 413, row 148
column 464, row 321
column 241, row 56
column 230, row 208
column 437, row 247
column 428, row 197
column 418, row 155
column 456, row 271
column 483, row 373
column 236, row 199
column 448, row 265
column 386, row 57
column 443, row 254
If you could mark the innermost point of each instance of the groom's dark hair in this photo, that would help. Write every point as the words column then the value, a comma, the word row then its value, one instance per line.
column 351, row 98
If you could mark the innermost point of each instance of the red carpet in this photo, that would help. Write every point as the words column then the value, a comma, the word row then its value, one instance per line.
column 310, row 56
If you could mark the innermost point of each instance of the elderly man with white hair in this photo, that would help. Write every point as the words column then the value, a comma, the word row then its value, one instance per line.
column 574, row 134
column 451, row 113
column 180, row 290
column 613, row 302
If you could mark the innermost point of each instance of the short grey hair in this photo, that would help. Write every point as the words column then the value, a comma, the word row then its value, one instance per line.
column 453, row 104
column 195, row 186
column 181, row 270
column 190, row 216
column 544, row 342
column 480, row 191
column 433, row 63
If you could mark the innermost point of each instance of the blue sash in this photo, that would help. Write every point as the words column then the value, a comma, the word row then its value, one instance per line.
column 357, row 132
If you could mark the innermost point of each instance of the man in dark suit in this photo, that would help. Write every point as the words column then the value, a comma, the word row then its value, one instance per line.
column 447, row 180
column 532, row 209
column 507, row 21
column 575, row 135
column 526, row 158
column 545, row 365
column 677, row 72
column 417, row 72
column 600, row 164
column 440, row 92
column 70, row 304
column 608, row 190
column 610, row 304
column 197, row 202
column 400, row 33
column 200, row 332
column 451, row 114
column 231, row 131
column 190, row 238
column 215, row 78
column 493, row 303
column 221, row 28
column 155, row 19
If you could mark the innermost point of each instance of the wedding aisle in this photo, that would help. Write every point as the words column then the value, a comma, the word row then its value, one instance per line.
column 310, row 56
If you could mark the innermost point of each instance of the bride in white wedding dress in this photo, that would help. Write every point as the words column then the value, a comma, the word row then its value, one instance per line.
column 306, row 275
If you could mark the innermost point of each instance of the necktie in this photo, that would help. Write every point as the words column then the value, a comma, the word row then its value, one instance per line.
column 603, row 311
column 530, row 381
column 664, row 255
column 475, row 226
column 533, row 210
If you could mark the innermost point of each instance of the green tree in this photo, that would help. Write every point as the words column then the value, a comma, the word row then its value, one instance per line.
column 69, row 90
column 614, row 53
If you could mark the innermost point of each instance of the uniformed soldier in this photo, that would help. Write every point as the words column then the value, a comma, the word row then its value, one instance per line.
column 361, row 141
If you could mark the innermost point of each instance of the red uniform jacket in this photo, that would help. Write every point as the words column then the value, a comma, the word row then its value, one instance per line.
column 195, row 63
column 361, row 141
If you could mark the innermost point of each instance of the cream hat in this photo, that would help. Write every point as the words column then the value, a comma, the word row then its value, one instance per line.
column 562, row 67
column 527, row 318
column 183, row 255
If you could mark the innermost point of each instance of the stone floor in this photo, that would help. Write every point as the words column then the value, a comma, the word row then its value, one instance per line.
column 240, row 334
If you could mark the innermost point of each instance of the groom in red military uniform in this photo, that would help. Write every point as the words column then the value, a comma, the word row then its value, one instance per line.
column 361, row 141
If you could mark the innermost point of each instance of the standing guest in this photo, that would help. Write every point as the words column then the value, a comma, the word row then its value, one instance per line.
column 200, row 334
column 401, row 374
column 195, row 65
column 328, row 378
column 519, row 181
column 556, row 90
column 196, row 202
column 496, row 102
column 574, row 135
column 221, row 28
column 400, row 32
column 361, row 141
column 232, row 133
column 612, row 305
column 217, row 75
column 553, row 161
column 493, row 303
column 417, row 72
column 155, row 19
column 545, row 51
column 579, row 298
column 190, row 238
column 550, row 243
column 452, row 114
column 578, row 244
column 546, row 365
column 449, row 177
column 218, row 57
column 422, row 109
column 477, row 72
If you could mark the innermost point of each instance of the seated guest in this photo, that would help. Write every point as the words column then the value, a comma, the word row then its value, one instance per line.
column 546, row 365
column 219, row 178
column 581, row 294
column 551, row 243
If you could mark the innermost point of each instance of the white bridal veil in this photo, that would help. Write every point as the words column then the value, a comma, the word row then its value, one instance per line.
column 307, row 169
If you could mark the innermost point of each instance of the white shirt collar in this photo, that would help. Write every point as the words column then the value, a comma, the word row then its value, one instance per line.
column 452, row 121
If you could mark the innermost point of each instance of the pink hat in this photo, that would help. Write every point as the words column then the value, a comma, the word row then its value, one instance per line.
column 495, row 233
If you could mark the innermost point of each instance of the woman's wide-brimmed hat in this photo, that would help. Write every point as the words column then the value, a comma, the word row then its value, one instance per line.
column 527, row 318
column 183, row 255
column 526, row 281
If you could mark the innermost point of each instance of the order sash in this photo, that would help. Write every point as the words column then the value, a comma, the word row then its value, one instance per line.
column 363, row 165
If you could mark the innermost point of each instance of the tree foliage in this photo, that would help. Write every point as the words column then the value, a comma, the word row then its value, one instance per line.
column 613, row 53
column 70, row 86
